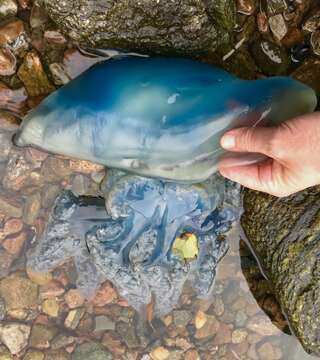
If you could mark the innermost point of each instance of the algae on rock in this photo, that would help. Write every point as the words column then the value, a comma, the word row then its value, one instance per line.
column 285, row 234
column 172, row 26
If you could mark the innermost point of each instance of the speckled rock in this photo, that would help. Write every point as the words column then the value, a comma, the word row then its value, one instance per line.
column 15, row 336
column 168, row 26
column 18, row 292
column 284, row 233
column 41, row 335
column 92, row 351
column 8, row 8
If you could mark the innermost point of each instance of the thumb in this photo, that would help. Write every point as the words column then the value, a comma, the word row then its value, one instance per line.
column 253, row 139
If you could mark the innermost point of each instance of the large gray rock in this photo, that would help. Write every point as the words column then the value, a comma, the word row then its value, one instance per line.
column 166, row 26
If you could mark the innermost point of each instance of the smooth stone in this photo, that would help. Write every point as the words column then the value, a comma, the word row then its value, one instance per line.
column 49, row 195
column 39, row 278
column 13, row 100
column 160, row 353
column 9, row 208
column 57, row 355
column 309, row 73
column 60, row 77
column 92, row 351
column 15, row 336
column 80, row 184
column 278, row 26
column 181, row 318
column 270, row 57
column 74, row 317
column 209, row 329
column 10, row 31
column 2, row 309
column 8, row 62
column 238, row 336
column 275, row 7
column 61, row 341
column 8, row 8
column 32, row 208
column 128, row 334
column 74, row 298
column 246, row 7
column 15, row 243
column 18, row 292
column 34, row 355
column 315, row 42
column 32, row 74
column 6, row 260
column 41, row 336
column 103, row 323
column 50, row 307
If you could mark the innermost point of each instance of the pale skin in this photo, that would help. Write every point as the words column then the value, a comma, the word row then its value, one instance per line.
column 293, row 149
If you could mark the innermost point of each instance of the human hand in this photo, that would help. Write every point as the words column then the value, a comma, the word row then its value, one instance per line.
column 293, row 149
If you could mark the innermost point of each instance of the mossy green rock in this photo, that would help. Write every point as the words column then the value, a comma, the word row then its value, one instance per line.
column 285, row 233
column 166, row 26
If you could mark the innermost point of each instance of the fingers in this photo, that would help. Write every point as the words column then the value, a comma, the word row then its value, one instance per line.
column 260, row 177
column 256, row 140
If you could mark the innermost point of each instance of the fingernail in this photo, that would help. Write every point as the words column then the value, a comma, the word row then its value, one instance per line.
column 228, row 141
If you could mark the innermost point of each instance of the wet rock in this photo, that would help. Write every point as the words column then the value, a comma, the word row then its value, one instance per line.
column 39, row 278
column 14, row 336
column 41, row 335
column 315, row 42
column 5, row 146
column 11, row 226
column 8, row 8
column 10, row 31
column 271, row 58
column 192, row 355
column 14, row 244
column 262, row 23
column 54, row 169
column 5, row 353
column 85, row 167
column 181, row 318
column 262, row 325
column 246, row 7
column 312, row 23
column 103, row 323
column 105, row 295
column 34, row 355
column 50, row 307
column 188, row 27
column 309, row 73
column 160, row 353
column 57, row 355
column 8, row 122
column 238, row 336
column 18, row 292
column 62, row 341
column 80, row 185
column 31, row 208
column 110, row 341
column 266, row 351
column 8, row 62
column 92, row 351
column 275, row 7
column 276, row 228
column 49, row 195
column 32, row 74
column 52, row 289
column 60, row 77
column 278, row 26
column 38, row 16
column 208, row 330
column 73, row 318
column 6, row 260
column 200, row 319
column 74, row 298
column 223, row 336
column 2, row 309
column 54, row 37
column 13, row 100
column 128, row 334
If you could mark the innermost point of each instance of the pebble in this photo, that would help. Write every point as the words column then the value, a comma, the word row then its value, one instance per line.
column 181, row 318
column 39, row 278
column 105, row 295
column 252, row 353
column 80, row 185
column 8, row 62
column 128, row 334
column 312, row 24
column 59, row 75
column 200, row 319
column 34, row 355
column 308, row 73
column 209, row 329
column 74, row 298
column 13, row 100
column 62, row 341
column 14, row 336
column 10, row 31
column 278, row 26
column 51, row 289
column 50, row 307
column 267, row 351
column 240, row 318
column 223, row 336
column 238, row 336
column 38, row 16
column 18, row 292
column 54, row 168
column 8, row 122
column 85, row 167
column 315, row 42
column 110, row 341
column 32, row 208
column 73, row 318
column 11, row 226
column 91, row 350
column 33, row 76
column 41, row 335
column 54, row 37
column 10, row 209
column 2, row 309
column 15, row 243
column 6, row 260
column 275, row 7
column 262, row 23
column 8, row 8
column 262, row 325
column 246, row 7
column 103, row 323
column 192, row 355
column 160, row 353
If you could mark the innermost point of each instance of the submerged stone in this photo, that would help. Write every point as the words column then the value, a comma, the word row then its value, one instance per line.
column 157, row 116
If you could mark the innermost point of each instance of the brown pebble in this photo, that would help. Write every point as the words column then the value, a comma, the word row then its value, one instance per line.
column 74, row 298
column 10, row 31
column 105, row 295
column 52, row 289
column 8, row 62
column 262, row 23
column 14, row 244
column 192, row 355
